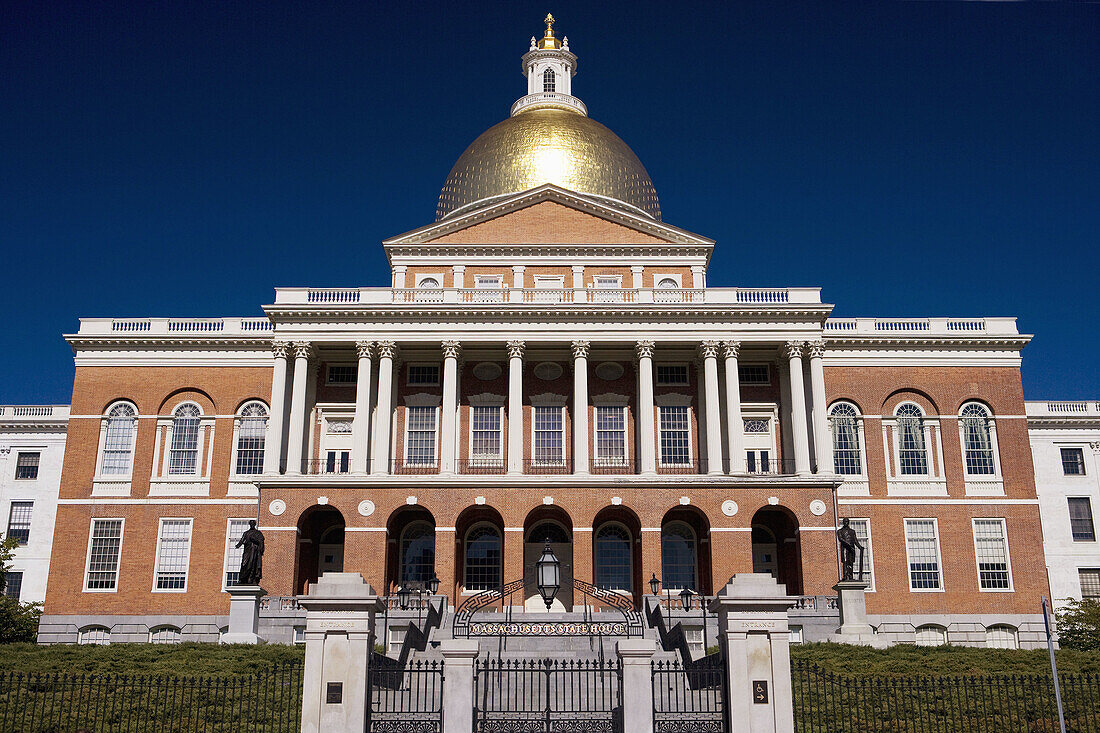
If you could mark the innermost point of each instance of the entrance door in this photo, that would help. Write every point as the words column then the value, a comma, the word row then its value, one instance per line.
column 330, row 551
column 562, row 547
column 765, row 552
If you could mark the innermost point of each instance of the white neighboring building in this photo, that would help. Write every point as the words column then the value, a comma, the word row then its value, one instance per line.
column 1065, row 446
column 32, row 446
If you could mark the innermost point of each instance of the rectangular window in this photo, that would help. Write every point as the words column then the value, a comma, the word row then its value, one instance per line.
column 342, row 373
column 26, row 466
column 1080, row 519
column 675, row 435
column 1073, row 462
column 606, row 283
column 173, row 554
column 485, row 429
column 549, row 436
column 863, row 534
column 420, row 438
column 490, row 289
column 337, row 461
column 251, row 432
column 13, row 584
column 991, row 548
column 672, row 375
column 1090, row 582
column 183, row 457
column 104, row 548
column 610, row 435
column 922, row 545
column 757, row 375
column 233, row 553
column 424, row 375
column 758, row 461
column 19, row 521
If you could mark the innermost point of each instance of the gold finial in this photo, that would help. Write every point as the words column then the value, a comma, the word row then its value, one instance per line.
column 548, row 40
column 549, row 21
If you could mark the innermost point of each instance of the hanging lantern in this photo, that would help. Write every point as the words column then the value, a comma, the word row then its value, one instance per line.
column 433, row 584
column 685, row 598
column 548, row 575
column 404, row 593
column 654, row 585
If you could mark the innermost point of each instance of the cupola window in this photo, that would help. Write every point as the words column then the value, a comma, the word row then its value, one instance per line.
column 549, row 81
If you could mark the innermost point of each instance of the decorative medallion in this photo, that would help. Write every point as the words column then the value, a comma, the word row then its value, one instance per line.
column 685, row 500
column 410, row 500
column 773, row 500
column 277, row 507
column 817, row 507
column 487, row 371
column 753, row 425
column 609, row 371
column 338, row 427
column 366, row 507
column 322, row 500
column 548, row 371
column 547, row 500
column 479, row 500
column 729, row 507
column 616, row 500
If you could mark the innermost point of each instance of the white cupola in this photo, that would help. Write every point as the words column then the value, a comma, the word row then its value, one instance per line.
column 549, row 68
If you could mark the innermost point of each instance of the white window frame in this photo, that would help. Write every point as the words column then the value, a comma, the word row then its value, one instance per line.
column 1008, row 556
column 861, row 441
column 767, row 369
column 437, row 276
column 229, row 549
column 166, row 627
column 118, row 561
column 687, row 374
column 931, row 483
column 939, row 555
column 421, row 401
column 982, row 484
column 674, row 400
column 553, row 287
column 486, row 402
column 421, row 364
column 80, row 638
column 162, row 452
column 122, row 478
column 236, row 439
column 676, row 278
column 614, row 402
column 549, row 402
column 870, row 554
column 943, row 635
column 1015, row 636
column 488, row 289
column 187, row 567
column 328, row 374
column 1084, row 463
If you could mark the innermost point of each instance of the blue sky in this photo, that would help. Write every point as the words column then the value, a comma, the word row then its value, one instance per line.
column 913, row 159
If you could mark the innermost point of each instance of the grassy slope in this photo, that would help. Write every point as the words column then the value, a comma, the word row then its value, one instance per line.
column 180, row 660
column 907, row 661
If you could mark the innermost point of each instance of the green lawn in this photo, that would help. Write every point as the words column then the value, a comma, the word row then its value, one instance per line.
column 176, row 660
column 906, row 661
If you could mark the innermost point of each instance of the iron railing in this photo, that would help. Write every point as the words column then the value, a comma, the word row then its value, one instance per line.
column 688, row 700
column 94, row 703
column 829, row 703
column 406, row 698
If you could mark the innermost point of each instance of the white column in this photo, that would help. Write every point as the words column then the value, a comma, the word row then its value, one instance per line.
column 448, row 423
column 578, row 284
column 273, row 442
column 399, row 276
column 458, row 684
column 636, row 656
column 708, row 350
column 580, row 406
column 798, row 409
column 515, row 407
column 698, row 277
column 380, row 459
column 823, row 439
column 516, row 294
column 636, row 277
column 647, row 438
column 296, row 441
column 360, row 424
column 735, row 425
column 458, row 276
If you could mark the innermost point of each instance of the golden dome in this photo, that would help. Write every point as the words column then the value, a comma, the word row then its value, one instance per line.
column 557, row 146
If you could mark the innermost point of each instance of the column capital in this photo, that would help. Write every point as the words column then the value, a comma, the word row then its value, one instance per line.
column 817, row 349
column 708, row 350
column 364, row 349
column 644, row 349
column 578, row 269
column 636, row 268
column 516, row 349
column 731, row 349
column 451, row 349
column 280, row 349
column 793, row 349
column 303, row 349
column 518, row 268
column 580, row 349
column 387, row 350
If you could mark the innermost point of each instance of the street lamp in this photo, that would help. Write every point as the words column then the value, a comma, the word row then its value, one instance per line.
column 685, row 598
column 654, row 585
column 433, row 584
column 547, row 571
column 404, row 593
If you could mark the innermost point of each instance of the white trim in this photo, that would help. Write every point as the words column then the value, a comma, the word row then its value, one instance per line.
column 166, row 500
column 156, row 561
column 1008, row 558
column 362, row 529
column 485, row 401
column 225, row 560
column 88, row 556
column 675, row 400
column 939, row 558
column 614, row 404
column 422, row 400
column 869, row 550
column 933, row 501
column 233, row 475
column 538, row 401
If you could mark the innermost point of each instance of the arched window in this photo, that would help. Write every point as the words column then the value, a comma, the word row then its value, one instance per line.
column 429, row 283
column 551, row 532
column 165, row 635
column 98, row 635
column 613, row 558
column 974, row 423
column 483, row 547
column 183, row 457
column 847, row 458
column 251, row 429
column 417, row 554
column 667, row 283
column 678, row 556
column 930, row 635
column 912, row 456
column 1001, row 636
column 549, row 81
column 118, row 444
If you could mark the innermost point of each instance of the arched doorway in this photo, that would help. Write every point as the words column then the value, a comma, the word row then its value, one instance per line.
column 479, row 546
column 548, row 525
column 320, row 544
column 685, row 551
column 617, row 552
column 410, row 549
column 776, row 547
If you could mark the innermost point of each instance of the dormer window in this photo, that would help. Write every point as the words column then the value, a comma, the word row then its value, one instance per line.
column 549, row 81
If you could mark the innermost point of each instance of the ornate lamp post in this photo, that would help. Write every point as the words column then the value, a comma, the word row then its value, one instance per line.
column 548, row 575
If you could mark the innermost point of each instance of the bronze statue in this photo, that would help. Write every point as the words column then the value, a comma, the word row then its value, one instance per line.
column 253, row 555
column 849, row 547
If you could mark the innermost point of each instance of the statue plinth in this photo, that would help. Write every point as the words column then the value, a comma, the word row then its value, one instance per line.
column 244, row 614
column 854, row 628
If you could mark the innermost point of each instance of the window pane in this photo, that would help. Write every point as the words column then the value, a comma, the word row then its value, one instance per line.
column 26, row 466
column 976, row 441
column 250, row 440
column 165, row 635
column 19, row 521
column 233, row 554
column 753, row 374
column 1090, row 582
column 847, row 460
column 342, row 373
column 424, row 374
column 931, row 636
column 610, row 435
column 421, row 436
column 672, row 374
column 13, row 584
column 678, row 556
column 95, row 635
column 992, row 550
column 1001, row 637
column 1073, row 462
column 173, row 550
column 862, row 528
column 118, row 441
column 613, row 558
column 1080, row 519
column 923, row 545
column 184, row 454
column 485, row 434
column 911, row 453
column 549, row 435
column 675, row 436
column 417, row 553
column 103, row 556
column 483, row 559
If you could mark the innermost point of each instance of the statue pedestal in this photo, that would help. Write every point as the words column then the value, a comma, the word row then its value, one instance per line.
column 854, row 629
column 244, row 614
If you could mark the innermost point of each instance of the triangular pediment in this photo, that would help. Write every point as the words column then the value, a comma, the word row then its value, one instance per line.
column 549, row 215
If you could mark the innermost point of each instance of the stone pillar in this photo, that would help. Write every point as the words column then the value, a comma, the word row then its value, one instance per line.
column 647, row 438
column 448, row 423
column 380, row 459
column 636, row 277
column 698, row 277
column 823, row 439
column 752, row 622
column 515, row 407
column 735, row 424
column 854, row 629
column 516, row 295
column 360, row 424
column 399, row 276
column 578, row 284
column 708, row 350
column 244, row 614
column 276, row 421
column 637, row 657
column 459, row 656
column 340, row 613
column 798, row 409
column 580, row 406
column 295, row 453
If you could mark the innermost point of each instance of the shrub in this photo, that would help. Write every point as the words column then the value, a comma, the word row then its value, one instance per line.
column 1079, row 625
column 18, row 621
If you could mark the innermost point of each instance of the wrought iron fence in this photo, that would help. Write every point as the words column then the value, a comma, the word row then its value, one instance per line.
column 688, row 700
column 406, row 699
column 830, row 703
column 51, row 703
column 545, row 695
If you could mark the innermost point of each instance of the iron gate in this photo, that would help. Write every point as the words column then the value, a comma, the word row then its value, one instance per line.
column 690, row 699
column 405, row 699
column 548, row 696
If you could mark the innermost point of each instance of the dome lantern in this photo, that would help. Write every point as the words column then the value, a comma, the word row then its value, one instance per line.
column 549, row 67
